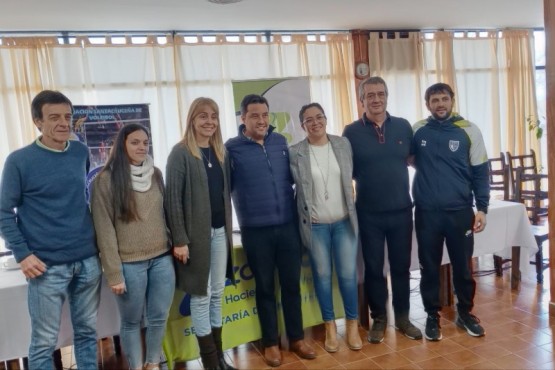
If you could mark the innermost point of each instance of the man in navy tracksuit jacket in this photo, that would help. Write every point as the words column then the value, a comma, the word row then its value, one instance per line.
column 262, row 192
column 451, row 173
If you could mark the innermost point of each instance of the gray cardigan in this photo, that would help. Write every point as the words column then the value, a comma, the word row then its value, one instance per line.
column 187, row 203
column 299, row 159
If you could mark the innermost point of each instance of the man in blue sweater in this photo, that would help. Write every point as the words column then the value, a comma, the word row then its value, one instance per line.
column 46, row 223
column 262, row 193
column 451, row 172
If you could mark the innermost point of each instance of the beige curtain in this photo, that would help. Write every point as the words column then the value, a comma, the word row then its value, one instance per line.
column 341, row 60
column 211, row 66
column 88, row 74
column 400, row 62
column 26, row 70
column 492, row 74
column 442, row 67
column 521, row 93
column 168, row 73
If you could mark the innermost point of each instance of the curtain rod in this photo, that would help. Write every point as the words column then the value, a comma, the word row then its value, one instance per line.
column 453, row 29
column 235, row 32
column 165, row 32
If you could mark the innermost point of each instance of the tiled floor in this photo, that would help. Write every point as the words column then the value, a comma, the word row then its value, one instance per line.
column 519, row 336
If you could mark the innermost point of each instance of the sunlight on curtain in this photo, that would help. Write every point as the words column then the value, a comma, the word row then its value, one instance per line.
column 96, row 74
column 167, row 76
column 399, row 62
column 209, row 69
column 22, row 75
column 492, row 74
column 89, row 75
column 521, row 86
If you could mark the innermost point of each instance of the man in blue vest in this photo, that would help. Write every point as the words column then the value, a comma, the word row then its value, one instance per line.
column 262, row 193
column 46, row 223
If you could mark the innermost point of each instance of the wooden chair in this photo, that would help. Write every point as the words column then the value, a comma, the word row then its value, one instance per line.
column 527, row 162
column 499, row 176
column 499, row 179
column 536, row 196
column 530, row 190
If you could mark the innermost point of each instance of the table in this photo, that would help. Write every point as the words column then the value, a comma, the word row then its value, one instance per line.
column 507, row 226
column 15, row 323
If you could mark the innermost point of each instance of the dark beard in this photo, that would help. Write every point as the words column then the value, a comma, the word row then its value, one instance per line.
column 438, row 118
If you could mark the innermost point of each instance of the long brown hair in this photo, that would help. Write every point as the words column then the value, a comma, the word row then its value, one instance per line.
column 119, row 169
column 189, row 139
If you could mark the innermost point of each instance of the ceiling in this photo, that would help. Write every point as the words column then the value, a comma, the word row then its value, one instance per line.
column 273, row 15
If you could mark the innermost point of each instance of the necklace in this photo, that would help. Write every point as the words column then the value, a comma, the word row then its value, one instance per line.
column 207, row 159
column 326, row 178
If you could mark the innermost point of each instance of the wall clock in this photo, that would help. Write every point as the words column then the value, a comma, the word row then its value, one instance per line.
column 362, row 69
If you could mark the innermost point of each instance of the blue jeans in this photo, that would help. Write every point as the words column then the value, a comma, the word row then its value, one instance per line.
column 335, row 243
column 80, row 283
column 149, row 284
column 206, row 310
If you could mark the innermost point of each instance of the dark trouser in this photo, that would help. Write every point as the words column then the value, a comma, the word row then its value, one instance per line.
column 375, row 229
column 455, row 227
column 268, row 248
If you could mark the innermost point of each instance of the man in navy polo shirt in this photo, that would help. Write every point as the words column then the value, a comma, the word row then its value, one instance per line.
column 381, row 148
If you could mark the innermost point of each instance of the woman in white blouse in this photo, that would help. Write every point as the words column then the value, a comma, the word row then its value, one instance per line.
column 322, row 168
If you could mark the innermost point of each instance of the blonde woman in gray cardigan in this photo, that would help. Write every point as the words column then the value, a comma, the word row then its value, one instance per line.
column 128, row 213
column 199, row 215
column 322, row 167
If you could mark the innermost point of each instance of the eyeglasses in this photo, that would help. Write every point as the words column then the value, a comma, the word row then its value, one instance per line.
column 312, row 120
column 376, row 96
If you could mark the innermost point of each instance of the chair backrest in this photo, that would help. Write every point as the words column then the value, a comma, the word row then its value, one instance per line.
column 534, row 198
column 499, row 175
column 527, row 162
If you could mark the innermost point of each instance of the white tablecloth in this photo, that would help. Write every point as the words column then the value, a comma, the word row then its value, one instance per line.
column 15, row 324
column 507, row 226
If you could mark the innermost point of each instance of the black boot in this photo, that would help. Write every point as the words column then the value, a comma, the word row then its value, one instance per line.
column 208, row 352
column 217, row 334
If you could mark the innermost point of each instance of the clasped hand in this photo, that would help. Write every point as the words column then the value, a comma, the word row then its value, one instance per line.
column 181, row 253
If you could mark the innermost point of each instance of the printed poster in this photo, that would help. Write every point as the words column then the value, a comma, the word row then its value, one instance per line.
column 98, row 125
column 239, row 315
column 285, row 97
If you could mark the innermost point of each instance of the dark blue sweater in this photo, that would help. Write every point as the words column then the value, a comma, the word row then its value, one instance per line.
column 43, row 207
column 261, row 181
column 380, row 169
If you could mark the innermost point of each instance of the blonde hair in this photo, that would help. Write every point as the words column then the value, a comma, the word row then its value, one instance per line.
column 189, row 139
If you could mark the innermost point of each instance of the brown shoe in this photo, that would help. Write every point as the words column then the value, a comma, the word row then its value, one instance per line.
column 272, row 356
column 302, row 349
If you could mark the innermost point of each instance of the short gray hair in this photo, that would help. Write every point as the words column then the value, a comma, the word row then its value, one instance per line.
column 375, row 80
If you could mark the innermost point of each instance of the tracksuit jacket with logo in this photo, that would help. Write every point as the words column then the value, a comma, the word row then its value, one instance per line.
column 451, row 165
